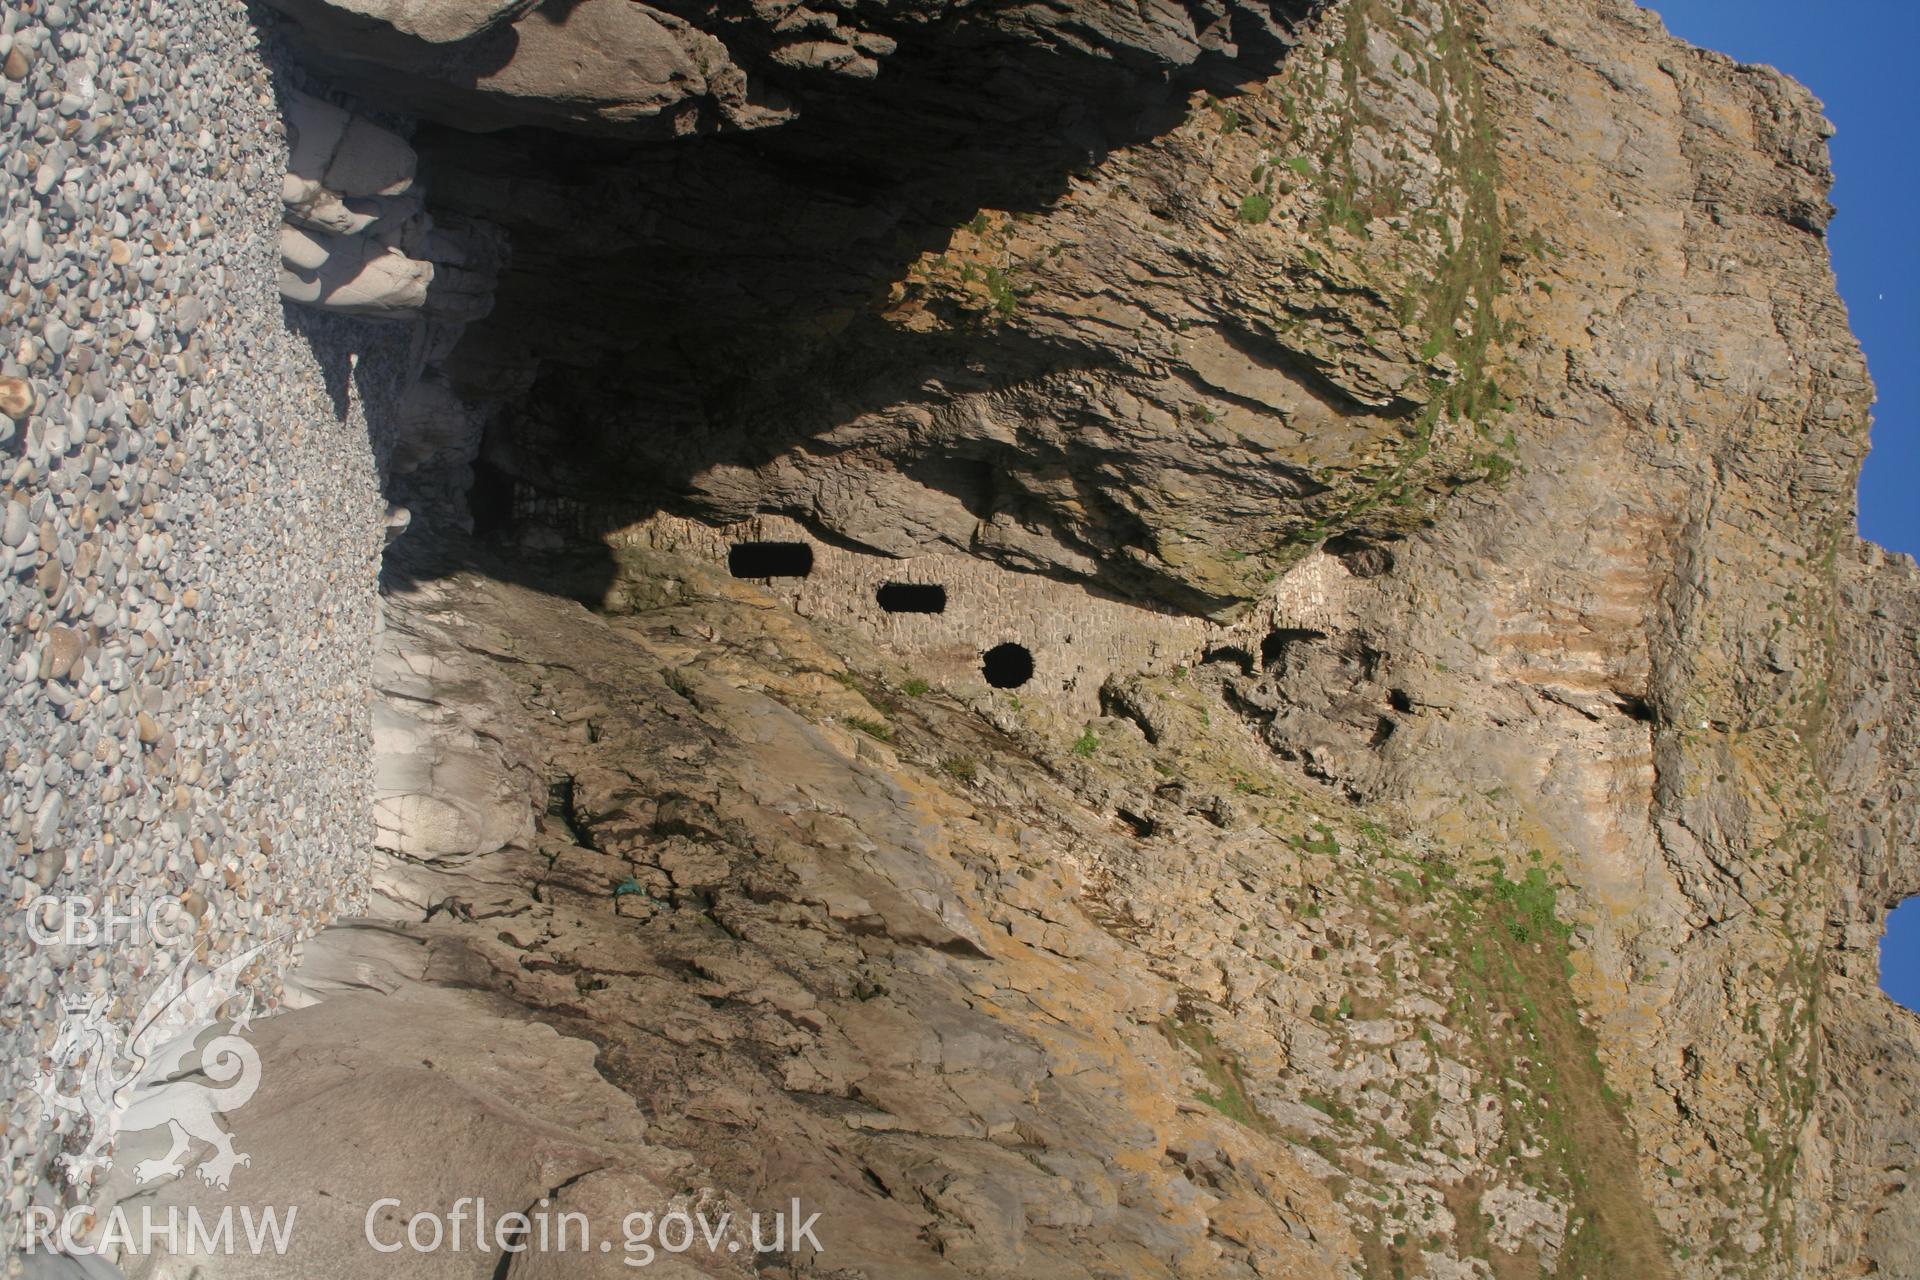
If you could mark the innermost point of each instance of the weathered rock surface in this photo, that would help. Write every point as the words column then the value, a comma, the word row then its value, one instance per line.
column 674, row 69
column 393, row 1062
column 358, row 239
column 1470, row 865
column 1522, row 311
column 437, row 792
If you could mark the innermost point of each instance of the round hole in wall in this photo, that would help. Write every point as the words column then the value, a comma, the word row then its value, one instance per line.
column 1007, row 666
column 912, row 597
column 770, row 560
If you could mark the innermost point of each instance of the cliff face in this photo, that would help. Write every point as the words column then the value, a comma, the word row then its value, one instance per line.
column 1466, row 755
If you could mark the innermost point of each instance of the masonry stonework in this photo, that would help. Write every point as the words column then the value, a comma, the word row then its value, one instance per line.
column 1078, row 635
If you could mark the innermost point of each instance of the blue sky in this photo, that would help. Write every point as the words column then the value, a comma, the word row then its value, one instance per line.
column 1857, row 56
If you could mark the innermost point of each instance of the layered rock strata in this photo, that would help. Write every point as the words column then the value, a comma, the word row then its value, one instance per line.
column 1520, row 311
column 1466, row 763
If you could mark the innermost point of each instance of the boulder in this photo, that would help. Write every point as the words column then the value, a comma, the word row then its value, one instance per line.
column 390, row 1097
column 370, row 161
column 596, row 66
column 433, row 21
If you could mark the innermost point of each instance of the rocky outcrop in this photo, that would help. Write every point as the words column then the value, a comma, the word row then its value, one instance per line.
column 603, row 66
column 1868, row 1114
column 358, row 238
column 1522, row 313
column 936, row 353
column 1458, row 754
column 992, row 1002
column 672, row 70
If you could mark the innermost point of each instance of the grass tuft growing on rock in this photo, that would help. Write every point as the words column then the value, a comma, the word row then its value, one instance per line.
column 1227, row 1093
column 960, row 768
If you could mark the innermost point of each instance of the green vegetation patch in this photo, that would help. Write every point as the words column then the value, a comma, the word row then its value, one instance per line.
column 960, row 768
column 1226, row 1091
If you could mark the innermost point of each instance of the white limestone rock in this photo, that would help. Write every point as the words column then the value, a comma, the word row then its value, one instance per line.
column 302, row 250
column 370, row 161
column 439, row 791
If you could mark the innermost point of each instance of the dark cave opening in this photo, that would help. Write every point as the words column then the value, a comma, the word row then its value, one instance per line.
column 1635, row 707
column 770, row 560
column 1280, row 639
column 912, row 597
column 1363, row 557
column 1007, row 666
column 1231, row 653
column 661, row 315
column 490, row 500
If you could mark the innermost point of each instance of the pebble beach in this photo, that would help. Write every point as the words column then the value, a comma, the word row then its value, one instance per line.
column 190, row 521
